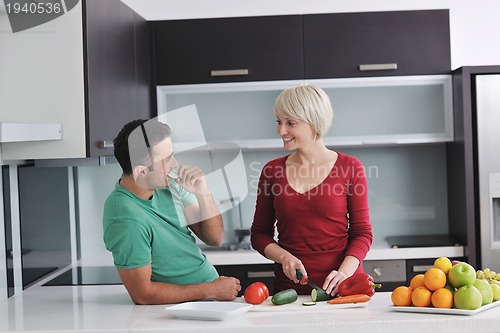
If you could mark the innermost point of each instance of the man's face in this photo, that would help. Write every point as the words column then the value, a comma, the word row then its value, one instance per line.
column 163, row 162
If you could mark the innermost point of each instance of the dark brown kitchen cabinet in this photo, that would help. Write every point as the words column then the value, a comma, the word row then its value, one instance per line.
column 117, row 71
column 228, row 49
column 248, row 274
column 376, row 44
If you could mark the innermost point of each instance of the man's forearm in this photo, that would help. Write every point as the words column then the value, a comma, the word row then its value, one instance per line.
column 166, row 293
column 211, row 226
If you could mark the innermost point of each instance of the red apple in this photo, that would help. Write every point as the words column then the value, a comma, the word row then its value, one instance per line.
column 454, row 262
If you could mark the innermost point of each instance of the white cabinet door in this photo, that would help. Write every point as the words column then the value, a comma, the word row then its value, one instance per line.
column 42, row 81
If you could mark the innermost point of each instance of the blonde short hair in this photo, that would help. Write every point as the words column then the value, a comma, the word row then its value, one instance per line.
column 309, row 103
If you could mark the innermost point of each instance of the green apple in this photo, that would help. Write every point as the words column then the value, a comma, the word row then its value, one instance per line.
column 462, row 274
column 467, row 298
column 451, row 288
column 485, row 289
column 496, row 292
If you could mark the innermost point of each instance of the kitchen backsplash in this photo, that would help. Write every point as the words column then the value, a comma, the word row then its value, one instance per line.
column 407, row 192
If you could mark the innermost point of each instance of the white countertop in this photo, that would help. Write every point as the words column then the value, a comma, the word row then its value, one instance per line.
column 380, row 250
column 109, row 309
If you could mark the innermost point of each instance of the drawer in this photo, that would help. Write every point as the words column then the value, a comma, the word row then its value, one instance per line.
column 386, row 270
column 248, row 274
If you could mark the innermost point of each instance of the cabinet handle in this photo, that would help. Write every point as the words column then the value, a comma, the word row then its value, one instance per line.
column 257, row 275
column 421, row 268
column 106, row 144
column 378, row 67
column 229, row 72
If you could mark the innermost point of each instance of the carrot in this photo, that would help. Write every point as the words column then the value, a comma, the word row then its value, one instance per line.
column 356, row 298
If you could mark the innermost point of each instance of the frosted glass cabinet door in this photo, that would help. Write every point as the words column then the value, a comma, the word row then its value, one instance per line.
column 381, row 110
column 386, row 111
column 237, row 112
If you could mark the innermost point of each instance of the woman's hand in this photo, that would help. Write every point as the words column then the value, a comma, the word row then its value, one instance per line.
column 290, row 264
column 332, row 282
column 346, row 269
column 288, row 261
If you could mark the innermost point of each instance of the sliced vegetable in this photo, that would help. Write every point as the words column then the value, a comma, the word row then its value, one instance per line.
column 285, row 297
column 308, row 303
column 357, row 298
column 360, row 283
column 319, row 295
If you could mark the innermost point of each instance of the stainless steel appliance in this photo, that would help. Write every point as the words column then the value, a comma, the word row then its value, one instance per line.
column 487, row 93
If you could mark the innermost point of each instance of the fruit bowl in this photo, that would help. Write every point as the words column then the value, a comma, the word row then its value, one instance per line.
column 416, row 309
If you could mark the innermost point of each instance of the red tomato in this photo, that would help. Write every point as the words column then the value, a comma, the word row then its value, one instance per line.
column 254, row 294
column 264, row 287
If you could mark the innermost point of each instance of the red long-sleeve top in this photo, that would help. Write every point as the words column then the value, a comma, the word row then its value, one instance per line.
column 320, row 226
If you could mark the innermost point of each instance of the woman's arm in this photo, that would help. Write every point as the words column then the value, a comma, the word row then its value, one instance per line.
column 360, row 228
column 262, row 229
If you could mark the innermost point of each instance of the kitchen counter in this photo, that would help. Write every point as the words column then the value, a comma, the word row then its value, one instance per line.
column 380, row 250
column 109, row 309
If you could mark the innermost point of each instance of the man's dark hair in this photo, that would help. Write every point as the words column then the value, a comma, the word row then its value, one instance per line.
column 139, row 137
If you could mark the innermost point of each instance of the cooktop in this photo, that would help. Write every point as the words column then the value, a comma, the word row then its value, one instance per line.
column 422, row 241
column 80, row 276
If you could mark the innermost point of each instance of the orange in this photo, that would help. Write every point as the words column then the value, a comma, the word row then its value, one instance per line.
column 401, row 296
column 442, row 298
column 417, row 281
column 443, row 263
column 421, row 297
column 434, row 279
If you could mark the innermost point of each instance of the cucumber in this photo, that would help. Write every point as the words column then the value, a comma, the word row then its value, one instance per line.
column 319, row 295
column 308, row 303
column 284, row 297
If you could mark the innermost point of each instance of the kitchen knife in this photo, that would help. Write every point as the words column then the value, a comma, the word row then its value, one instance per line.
column 309, row 282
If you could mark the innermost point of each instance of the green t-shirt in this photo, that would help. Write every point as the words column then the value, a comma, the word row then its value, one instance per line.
column 140, row 232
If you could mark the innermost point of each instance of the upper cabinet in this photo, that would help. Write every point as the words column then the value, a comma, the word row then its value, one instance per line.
column 376, row 44
column 312, row 46
column 91, row 74
column 117, row 68
column 374, row 111
column 228, row 50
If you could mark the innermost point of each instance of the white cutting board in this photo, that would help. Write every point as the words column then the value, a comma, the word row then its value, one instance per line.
column 268, row 306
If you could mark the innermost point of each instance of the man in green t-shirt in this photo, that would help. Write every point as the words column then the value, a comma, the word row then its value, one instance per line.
column 149, row 218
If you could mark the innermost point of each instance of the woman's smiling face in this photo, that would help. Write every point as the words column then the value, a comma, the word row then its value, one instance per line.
column 295, row 133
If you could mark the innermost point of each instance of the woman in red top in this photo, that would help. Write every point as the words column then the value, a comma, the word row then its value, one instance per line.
column 312, row 205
